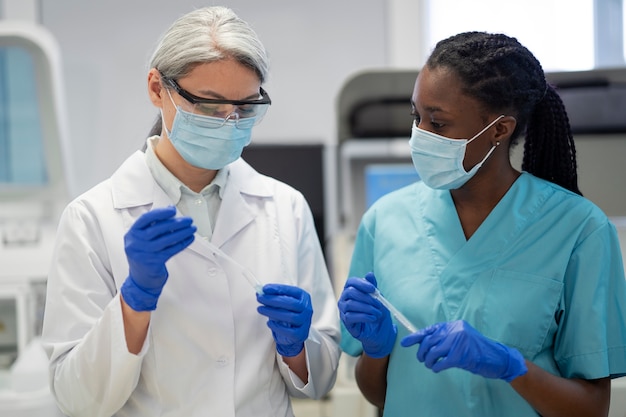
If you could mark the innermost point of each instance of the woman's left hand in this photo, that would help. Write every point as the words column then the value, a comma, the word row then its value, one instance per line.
column 289, row 311
column 457, row 344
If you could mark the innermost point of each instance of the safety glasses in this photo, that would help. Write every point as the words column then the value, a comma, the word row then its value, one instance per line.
column 224, row 109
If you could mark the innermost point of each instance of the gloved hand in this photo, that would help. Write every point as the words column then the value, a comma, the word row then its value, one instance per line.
column 289, row 313
column 456, row 344
column 366, row 318
column 155, row 237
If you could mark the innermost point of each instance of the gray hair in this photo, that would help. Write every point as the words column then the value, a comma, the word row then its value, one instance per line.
column 207, row 35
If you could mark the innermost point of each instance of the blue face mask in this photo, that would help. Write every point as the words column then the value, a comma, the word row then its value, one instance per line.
column 438, row 160
column 209, row 142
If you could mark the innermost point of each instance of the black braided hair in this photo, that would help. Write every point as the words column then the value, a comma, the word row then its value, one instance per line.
column 505, row 77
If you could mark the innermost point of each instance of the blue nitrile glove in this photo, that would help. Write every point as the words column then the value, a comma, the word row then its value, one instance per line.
column 366, row 318
column 289, row 313
column 456, row 344
column 155, row 237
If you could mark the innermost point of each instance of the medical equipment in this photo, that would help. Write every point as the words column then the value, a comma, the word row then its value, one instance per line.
column 252, row 279
column 394, row 312
column 248, row 275
column 33, row 192
column 33, row 186
column 381, row 179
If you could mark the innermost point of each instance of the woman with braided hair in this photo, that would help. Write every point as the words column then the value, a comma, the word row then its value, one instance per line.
column 514, row 280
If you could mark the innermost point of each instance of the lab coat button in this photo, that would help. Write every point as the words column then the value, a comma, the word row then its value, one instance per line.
column 212, row 271
column 221, row 361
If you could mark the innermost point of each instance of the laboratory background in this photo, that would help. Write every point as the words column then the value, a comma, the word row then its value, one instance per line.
column 74, row 105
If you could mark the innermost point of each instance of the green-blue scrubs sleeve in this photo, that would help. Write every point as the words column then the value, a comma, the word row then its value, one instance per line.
column 591, row 342
column 362, row 262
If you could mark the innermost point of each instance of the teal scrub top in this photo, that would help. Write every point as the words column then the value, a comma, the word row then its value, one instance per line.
column 543, row 274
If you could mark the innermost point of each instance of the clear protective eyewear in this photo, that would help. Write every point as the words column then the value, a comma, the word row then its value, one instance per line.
column 241, row 112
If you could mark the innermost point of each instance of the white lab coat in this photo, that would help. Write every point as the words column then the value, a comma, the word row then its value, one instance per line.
column 208, row 351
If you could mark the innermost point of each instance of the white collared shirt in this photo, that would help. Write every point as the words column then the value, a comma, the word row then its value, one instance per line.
column 202, row 207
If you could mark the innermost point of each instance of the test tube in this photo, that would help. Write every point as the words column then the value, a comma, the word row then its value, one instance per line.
column 250, row 277
column 394, row 311
column 254, row 281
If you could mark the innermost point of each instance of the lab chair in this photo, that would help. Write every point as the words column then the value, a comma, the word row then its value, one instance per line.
column 33, row 192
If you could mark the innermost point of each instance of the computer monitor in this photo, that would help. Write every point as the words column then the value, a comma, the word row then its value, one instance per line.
column 381, row 179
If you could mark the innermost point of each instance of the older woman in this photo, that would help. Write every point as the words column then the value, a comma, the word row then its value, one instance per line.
column 152, row 296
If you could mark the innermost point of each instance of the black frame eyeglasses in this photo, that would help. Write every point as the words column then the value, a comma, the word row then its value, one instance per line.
column 222, row 108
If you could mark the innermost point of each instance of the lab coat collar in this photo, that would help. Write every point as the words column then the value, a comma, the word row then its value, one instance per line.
column 235, row 211
column 133, row 186
column 245, row 179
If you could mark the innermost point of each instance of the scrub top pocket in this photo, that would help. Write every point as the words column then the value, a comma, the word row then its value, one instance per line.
column 519, row 309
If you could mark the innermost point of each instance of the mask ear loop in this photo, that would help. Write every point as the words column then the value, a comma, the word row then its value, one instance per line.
column 493, row 148
column 485, row 129
column 161, row 110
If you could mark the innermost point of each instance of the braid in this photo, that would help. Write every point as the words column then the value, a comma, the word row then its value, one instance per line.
column 505, row 77
column 549, row 150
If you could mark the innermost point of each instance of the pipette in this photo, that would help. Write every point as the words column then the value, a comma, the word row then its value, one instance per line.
column 254, row 281
column 250, row 277
column 394, row 311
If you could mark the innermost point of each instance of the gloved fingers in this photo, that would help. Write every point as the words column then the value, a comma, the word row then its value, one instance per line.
column 161, row 228
column 283, row 289
column 280, row 315
column 433, row 336
column 437, row 352
column 418, row 337
column 284, row 302
column 355, row 329
column 371, row 279
column 167, row 243
column 163, row 247
column 175, row 248
column 287, row 297
column 441, row 365
column 413, row 339
column 285, row 329
column 359, row 284
column 152, row 216
column 157, row 229
column 368, row 305
column 162, row 234
column 351, row 295
column 351, row 318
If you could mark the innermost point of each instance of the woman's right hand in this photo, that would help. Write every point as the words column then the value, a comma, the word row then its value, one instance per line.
column 366, row 318
column 155, row 237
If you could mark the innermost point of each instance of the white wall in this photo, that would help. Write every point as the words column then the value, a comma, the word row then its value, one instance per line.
column 106, row 45
column 314, row 48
